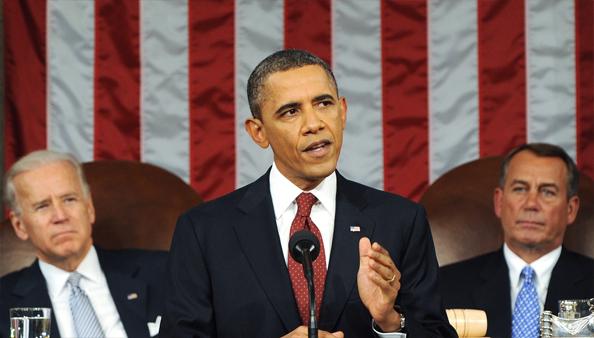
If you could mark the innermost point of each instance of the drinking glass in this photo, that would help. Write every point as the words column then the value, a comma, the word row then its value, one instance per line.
column 30, row 322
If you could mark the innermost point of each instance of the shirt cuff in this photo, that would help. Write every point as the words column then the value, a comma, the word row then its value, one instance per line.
column 386, row 334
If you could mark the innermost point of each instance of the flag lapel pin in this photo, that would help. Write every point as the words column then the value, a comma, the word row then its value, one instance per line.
column 355, row 228
column 132, row 296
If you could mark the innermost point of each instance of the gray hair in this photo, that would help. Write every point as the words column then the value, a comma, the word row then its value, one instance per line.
column 280, row 61
column 33, row 161
column 545, row 150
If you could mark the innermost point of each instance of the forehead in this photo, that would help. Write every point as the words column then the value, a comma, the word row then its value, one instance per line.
column 46, row 179
column 525, row 165
column 296, row 80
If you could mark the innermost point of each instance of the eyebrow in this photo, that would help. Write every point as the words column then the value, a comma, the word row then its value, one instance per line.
column 45, row 200
column 293, row 105
column 542, row 185
column 290, row 105
column 323, row 97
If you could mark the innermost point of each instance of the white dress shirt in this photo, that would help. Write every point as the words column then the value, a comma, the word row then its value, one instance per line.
column 543, row 267
column 94, row 284
column 284, row 193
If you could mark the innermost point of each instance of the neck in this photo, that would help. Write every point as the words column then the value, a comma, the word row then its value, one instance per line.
column 527, row 253
column 69, row 263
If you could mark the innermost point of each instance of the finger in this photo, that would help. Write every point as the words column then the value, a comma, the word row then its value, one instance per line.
column 325, row 334
column 301, row 331
column 389, row 273
column 379, row 248
column 387, row 286
column 382, row 256
column 364, row 247
column 380, row 259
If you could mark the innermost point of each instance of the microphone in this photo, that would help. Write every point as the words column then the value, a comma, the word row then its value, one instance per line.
column 305, row 248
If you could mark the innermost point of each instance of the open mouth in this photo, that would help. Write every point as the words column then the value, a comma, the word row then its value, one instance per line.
column 318, row 147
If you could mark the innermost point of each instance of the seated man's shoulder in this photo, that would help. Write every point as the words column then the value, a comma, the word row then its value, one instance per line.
column 585, row 263
column 9, row 280
column 578, row 257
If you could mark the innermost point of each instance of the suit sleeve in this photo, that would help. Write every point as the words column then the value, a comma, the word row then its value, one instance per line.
column 419, row 295
column 188, row 306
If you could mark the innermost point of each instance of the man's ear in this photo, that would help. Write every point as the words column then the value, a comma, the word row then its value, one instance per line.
column 573, row 206
column 255, row 129
column 497, row 197
column 91, row 208
column 18, row 226
column 343, row 113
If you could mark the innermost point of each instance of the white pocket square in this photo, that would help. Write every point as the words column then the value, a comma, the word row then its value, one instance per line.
column 154, row 326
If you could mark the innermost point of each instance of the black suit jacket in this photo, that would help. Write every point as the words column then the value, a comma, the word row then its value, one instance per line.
column 126, row 271
column 228, row 277
column 483, row 283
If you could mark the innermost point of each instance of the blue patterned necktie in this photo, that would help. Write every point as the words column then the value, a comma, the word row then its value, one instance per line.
column 85, row 320
column 526, row 317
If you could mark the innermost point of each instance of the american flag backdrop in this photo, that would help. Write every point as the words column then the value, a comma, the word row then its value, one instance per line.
column 430, row 84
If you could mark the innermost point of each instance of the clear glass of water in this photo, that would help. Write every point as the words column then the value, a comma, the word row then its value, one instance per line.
column 30, row 322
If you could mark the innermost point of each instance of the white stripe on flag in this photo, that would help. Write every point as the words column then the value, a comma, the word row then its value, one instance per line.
column 453, row 74
column 550, row 38
column 164, row 85
column 356, row 58
column 70, row 69
column 258, row 33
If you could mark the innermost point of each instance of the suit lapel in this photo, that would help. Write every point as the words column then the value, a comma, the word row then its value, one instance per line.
column 344, row 258
column 566, row 274
column 494, row 295
column 129, row 294
column 32, row 291
column 258, row 236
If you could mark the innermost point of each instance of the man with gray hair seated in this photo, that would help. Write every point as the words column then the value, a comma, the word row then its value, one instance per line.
column 536, row 200
column 92, row 292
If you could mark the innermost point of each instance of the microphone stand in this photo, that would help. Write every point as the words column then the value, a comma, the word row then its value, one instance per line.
column 312, row 329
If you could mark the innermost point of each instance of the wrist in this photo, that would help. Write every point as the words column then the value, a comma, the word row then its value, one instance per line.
column 391, row 322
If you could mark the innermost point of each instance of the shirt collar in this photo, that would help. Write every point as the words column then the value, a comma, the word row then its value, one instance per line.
column 284, row 192
column 542, row 266
column 56, row 278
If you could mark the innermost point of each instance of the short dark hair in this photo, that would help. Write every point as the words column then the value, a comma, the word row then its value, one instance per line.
column 545, row 150
column 280, row 61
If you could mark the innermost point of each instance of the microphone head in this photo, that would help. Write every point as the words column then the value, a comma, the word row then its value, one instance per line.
column 304, row 240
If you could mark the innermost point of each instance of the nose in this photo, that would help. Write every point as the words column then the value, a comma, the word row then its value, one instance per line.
column 59, row 213
column 312, row 122
column 532, row 202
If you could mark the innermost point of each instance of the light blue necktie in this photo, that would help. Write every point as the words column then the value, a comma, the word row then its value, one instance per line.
column 526, row 317
column 85, row 320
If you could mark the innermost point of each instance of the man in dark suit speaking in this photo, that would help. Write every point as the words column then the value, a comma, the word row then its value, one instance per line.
column 536, row 200
column 230, row 274
column 92, row 292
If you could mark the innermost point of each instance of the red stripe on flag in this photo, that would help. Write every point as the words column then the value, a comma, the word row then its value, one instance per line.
column 584, row 37
column 502, row 76
column 25, row 78
column 117, row 80
column 308, row 26
column 212, row 97
column 405, row 97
